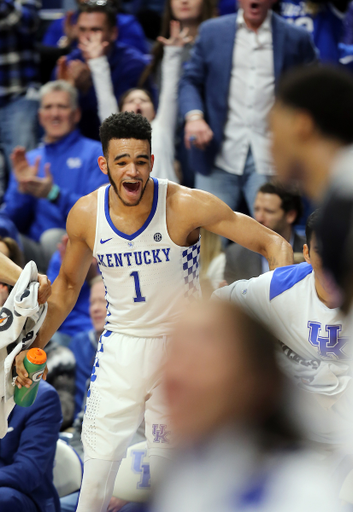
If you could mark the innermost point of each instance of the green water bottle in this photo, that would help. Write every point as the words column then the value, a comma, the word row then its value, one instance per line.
column 34, row 362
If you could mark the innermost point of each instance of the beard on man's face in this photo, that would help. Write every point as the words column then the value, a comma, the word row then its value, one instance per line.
column 115, row 188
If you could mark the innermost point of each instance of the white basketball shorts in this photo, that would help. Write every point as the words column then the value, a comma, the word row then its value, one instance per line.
column 125, row 387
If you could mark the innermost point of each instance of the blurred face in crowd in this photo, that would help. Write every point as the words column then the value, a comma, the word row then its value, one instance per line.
column 139, row 102
column 268, row 212
column 128, row 165
column 97, row 306
column 186, row 10
column 326, row 288
column 208, row 378
column 93, row 23
column 255, row 11
column 57, row 116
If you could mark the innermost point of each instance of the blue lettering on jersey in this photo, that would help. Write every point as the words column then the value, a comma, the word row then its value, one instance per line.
column 332, row 345
column 128, row 259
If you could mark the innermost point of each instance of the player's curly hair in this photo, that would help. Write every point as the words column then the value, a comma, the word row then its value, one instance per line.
column 125, row 125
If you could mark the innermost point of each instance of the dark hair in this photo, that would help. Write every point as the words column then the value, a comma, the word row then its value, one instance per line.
column 311, row 226
column 276, row 428
column 107, row 8
column 126, row 94
column 291, row 197
column 208, row 11
column 326, row 94
column 125, row 125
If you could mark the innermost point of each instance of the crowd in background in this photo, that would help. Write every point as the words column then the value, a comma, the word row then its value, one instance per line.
column 208, row 100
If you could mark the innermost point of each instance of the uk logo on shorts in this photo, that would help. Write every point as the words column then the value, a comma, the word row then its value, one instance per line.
column 160, row 433
column 141, row 469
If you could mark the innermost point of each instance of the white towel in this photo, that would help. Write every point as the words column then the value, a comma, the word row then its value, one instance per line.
column 20, row 319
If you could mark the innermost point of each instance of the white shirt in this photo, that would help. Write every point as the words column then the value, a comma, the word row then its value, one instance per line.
column 251, row 96
column 314, row 343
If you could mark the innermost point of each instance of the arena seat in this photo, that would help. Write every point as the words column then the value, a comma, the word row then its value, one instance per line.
column 133, row 479
column 68, row 469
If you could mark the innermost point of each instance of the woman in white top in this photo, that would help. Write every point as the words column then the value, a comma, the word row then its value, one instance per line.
column 139, row 101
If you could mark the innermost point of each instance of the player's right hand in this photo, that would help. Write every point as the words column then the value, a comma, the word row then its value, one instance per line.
column 197, row 133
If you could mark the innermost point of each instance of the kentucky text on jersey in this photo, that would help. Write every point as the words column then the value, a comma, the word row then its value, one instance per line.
column 130, row 259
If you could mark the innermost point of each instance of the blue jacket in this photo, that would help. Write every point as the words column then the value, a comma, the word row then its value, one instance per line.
column 126, row 66
column 78, row 320
column 84, row 347
column 130, row 32
column 27, row 451
column 74, row 168
column 205, row 83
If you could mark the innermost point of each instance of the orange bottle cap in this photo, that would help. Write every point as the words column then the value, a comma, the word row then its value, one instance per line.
column 36, row 356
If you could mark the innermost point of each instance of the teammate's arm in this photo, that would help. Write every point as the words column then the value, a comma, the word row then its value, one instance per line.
column 10, row 272
column 211, row 213
column 67, row 285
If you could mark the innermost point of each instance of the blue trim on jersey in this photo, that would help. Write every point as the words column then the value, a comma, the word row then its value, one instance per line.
column 146, row 224
column 285, row 278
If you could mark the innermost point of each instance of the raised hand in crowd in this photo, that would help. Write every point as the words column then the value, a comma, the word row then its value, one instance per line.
column 76, row 72
column 177, row 37
column 94, row 47
column 27, row 175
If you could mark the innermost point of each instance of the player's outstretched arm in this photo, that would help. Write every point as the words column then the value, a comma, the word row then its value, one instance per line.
column 214, row 215
column 67, row 286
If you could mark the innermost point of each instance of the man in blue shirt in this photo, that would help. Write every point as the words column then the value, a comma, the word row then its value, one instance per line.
column 27, row 455
column 62, row 32
column 126, row 63
column 47, row 181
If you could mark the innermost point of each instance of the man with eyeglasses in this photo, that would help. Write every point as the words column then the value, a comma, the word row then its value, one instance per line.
column 125, row 63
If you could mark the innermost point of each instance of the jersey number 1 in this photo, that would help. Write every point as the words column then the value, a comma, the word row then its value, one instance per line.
column 138, row 297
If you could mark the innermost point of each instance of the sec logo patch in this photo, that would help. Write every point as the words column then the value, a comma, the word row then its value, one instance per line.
column 157, row 237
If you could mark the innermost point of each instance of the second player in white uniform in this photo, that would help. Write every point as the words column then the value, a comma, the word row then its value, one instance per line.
column 145, row 236
column 293, row 302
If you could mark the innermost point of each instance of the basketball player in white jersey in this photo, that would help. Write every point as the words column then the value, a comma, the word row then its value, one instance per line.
column 299, row 304
column 144, row 234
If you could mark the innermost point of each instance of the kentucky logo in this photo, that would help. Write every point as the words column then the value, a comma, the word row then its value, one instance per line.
column 160, row 434
column 331, row 345
column 141, row 469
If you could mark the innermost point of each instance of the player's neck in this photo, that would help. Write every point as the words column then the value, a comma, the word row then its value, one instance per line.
column 318, row 162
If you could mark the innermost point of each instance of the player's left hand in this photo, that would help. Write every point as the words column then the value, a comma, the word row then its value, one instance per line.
column 44, row 290
column 22, row 375
column 38, row 187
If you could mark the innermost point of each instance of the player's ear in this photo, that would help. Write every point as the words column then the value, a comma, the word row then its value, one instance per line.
column 152, row 162
column 291, row 216
column 103, row 164
column 306, row 253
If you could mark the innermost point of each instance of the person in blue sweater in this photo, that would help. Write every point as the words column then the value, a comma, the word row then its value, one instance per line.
column 62, row 33
column 126, row 64
column 27, row 455
column 84, row 344
column 46, row 182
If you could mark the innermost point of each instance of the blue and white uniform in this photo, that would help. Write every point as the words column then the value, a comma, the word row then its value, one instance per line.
column 146, row 276
column 325, row 24
column 314, row 344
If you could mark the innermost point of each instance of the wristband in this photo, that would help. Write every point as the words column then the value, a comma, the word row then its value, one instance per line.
column 54, row 193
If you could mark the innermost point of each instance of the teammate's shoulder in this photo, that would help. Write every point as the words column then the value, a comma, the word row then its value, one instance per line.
column 284, row 278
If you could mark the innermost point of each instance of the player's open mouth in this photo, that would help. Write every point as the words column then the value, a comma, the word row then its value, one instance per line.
column 132, row 187
column 138, row 111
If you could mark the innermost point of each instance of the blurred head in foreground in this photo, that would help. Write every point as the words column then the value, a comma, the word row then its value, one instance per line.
column 312, row 119
column 222, row 371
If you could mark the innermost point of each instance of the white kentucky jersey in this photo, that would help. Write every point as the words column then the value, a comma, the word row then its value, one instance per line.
column 313, row 338
column 146, row 275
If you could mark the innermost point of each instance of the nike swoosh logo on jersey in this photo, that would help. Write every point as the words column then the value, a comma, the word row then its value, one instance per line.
column 104, row 241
